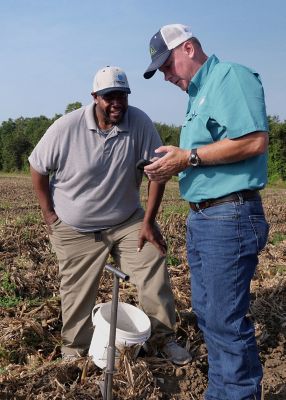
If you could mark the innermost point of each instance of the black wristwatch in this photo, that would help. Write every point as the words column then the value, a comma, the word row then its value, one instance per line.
column 194, row 159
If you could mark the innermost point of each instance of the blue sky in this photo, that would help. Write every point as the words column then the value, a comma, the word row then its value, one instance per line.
column 51, row 49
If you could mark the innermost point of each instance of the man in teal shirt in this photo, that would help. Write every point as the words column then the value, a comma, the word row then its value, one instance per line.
column 222, row 165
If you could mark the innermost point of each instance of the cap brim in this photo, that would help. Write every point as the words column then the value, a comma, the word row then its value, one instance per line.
column 156, row 63
column 113, row 89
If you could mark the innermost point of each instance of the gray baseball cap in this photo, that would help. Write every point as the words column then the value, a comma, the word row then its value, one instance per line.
column 110, row 79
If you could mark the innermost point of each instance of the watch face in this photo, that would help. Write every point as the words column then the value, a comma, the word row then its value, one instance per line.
column 194, row 158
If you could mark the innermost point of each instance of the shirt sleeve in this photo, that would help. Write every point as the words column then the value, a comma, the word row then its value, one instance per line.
column 44, row 158
column 148, row 138
column 240, row 105
column 152, row 142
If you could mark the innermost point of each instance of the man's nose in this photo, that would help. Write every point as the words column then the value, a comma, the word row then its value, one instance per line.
column 115, row 101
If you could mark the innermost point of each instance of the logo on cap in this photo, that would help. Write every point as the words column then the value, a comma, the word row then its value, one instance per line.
column 120, row 79
column 152, row 51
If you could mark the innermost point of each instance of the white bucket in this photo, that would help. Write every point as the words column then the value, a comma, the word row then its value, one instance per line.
column 133, row 328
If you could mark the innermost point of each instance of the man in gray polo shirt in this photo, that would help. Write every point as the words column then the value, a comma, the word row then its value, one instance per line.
column 85, row 177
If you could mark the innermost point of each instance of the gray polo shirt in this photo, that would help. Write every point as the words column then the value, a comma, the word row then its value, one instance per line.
column 94, row 181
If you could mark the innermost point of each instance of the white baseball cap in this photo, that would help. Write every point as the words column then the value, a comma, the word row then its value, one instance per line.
column 162, row 44
column 110, row 79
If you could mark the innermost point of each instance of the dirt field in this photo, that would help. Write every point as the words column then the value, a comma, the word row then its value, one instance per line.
column 30, row 363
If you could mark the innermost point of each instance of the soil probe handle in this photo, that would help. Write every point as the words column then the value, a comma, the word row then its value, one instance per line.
column 119, row 274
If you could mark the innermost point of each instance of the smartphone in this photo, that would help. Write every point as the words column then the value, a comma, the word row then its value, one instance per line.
column 142, row 163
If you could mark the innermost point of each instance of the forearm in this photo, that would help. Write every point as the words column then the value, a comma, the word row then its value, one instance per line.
column 155, row 195
column 149, row 231
column 42, row 190
column 229, row 151
column 225, row 151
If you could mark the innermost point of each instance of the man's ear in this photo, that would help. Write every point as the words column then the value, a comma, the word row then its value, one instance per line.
column 94, row 97
column 188, row 48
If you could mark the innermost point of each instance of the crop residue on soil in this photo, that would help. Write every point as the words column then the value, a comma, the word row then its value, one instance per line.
column 30, row 363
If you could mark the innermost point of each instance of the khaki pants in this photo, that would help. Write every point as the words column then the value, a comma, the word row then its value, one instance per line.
column 81, row 262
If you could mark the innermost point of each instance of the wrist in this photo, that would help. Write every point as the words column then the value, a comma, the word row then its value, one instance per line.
column 148, row 221
column 50, row 216
column 48, row 213
column 188, row 155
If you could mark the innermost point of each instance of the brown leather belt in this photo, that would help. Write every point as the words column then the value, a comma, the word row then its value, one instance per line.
column 243, row 194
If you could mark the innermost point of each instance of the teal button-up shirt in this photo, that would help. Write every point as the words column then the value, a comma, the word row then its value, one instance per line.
column 226, row 100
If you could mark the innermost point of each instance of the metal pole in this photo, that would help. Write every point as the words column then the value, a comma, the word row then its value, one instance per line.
column 112, row 333
column 111, row 346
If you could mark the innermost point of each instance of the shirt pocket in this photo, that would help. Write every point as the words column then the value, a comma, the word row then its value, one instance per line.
column 195, row 132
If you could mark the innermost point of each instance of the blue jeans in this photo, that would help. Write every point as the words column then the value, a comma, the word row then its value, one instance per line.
column 223, row 243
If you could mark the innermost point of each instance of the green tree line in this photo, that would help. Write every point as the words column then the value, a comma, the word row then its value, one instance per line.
column 18, row 137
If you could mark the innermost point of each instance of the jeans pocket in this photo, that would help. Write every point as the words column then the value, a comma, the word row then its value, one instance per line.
column 261, row 230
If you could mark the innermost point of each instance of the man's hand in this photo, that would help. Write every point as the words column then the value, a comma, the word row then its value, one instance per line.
column 175, row 160
column 150, row 233
column 49, row 217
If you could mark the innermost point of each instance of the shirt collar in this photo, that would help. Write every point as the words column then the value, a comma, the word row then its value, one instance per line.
column 200, row 77
column 91, row 124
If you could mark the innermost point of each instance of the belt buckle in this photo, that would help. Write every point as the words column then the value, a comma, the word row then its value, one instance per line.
column 197, row 206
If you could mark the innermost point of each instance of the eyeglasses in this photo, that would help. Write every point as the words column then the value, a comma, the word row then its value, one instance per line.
column 116, row 95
